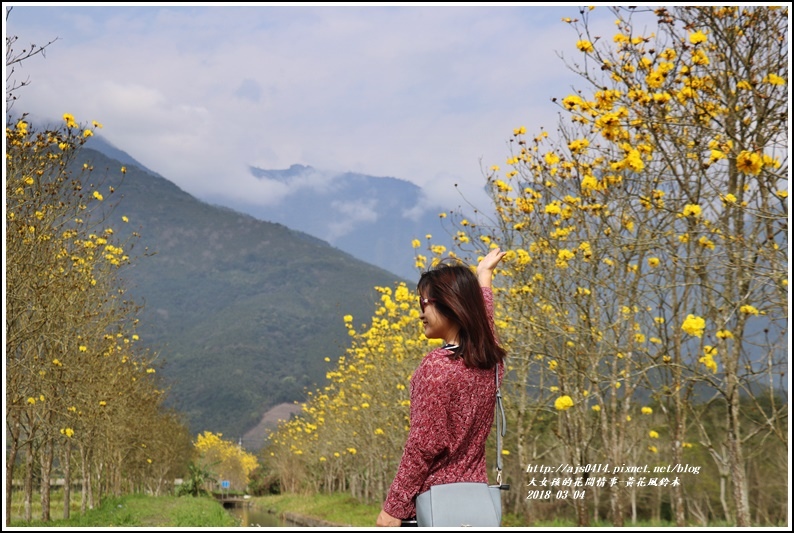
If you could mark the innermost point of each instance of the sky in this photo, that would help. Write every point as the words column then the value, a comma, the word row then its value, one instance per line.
column 199, row 92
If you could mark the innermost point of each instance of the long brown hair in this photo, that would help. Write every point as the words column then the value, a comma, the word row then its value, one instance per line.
column 458, row 297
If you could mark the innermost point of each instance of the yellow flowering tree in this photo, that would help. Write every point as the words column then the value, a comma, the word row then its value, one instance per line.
column 225, row 459
column 76, row 378
column 79, row 387
column 655, row 231
column 350, row 434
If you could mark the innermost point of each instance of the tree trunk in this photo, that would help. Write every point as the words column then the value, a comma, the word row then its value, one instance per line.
column 736, row 458
column 677, row 490
column 86, row 485
column 46, row 471
column 14, row 432
column 29, row 479
column 67, row 480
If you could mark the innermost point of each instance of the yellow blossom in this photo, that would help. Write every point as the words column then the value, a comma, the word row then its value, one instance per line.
column 706, row 242
column 584, row 46
column 694, row 325
column 749, row 162
column 697, row 37
column 563, row 402
column 774, row 79
column 553, row 208
column 692, row 210
column 729, row 199
column 652, row 434
column 596, row 408
column 646, row 410
column 748, row 310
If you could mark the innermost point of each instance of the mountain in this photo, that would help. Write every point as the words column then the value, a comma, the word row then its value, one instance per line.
column 372, row 218
column 242, row 312
column 100, row 144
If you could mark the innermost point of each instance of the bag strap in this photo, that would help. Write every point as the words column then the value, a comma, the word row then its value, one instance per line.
column 501, row 424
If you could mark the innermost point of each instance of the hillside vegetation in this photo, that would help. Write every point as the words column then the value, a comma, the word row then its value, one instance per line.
column 242, row 312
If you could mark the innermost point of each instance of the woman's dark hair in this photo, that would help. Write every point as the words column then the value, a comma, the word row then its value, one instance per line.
column 458, row 297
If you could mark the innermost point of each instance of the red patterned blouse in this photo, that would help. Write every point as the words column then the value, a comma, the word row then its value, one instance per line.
column 452, row 410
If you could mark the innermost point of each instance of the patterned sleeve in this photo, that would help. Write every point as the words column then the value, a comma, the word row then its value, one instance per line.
column 427, row 437
column 487, row 294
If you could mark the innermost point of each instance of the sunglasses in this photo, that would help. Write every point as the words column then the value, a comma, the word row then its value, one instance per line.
column 424, row 302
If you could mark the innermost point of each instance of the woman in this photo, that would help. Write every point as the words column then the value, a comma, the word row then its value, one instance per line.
column 453, row 390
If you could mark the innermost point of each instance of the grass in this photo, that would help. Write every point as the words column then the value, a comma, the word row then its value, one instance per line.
column 337, row 508
column 139, row 510
column 170, row 511
column 345, row 510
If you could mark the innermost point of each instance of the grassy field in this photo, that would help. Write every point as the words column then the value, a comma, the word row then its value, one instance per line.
column 133, row 510
column 337, row 508
column 170, row 511
column 345, row 510
column 342, row 509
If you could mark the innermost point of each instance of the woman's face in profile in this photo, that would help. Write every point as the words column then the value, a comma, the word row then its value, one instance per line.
column 437, row 326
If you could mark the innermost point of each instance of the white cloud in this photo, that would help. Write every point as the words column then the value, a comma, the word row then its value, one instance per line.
column 196, row 93
column 350, row 215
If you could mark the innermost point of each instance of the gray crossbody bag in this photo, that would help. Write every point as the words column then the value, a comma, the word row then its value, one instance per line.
column 467, row 503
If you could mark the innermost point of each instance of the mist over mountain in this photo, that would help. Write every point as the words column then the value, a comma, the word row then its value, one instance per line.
column 372, row 218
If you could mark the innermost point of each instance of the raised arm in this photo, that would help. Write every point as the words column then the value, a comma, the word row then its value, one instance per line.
column 487, row 265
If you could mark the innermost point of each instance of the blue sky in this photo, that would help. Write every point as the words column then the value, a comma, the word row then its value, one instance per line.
column 429, row 94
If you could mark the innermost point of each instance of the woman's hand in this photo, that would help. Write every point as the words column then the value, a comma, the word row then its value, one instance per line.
column 486, row 266
column 387, row 520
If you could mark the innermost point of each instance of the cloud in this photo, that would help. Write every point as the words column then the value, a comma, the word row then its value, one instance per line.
column 350, row 215
column 249, row 90
column 429, row 94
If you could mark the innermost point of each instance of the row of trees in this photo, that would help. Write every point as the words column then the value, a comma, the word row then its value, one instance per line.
column 644, row 301
column 82, row 396
column 80, row 392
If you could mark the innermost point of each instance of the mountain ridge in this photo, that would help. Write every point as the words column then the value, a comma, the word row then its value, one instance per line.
column 242, row 312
